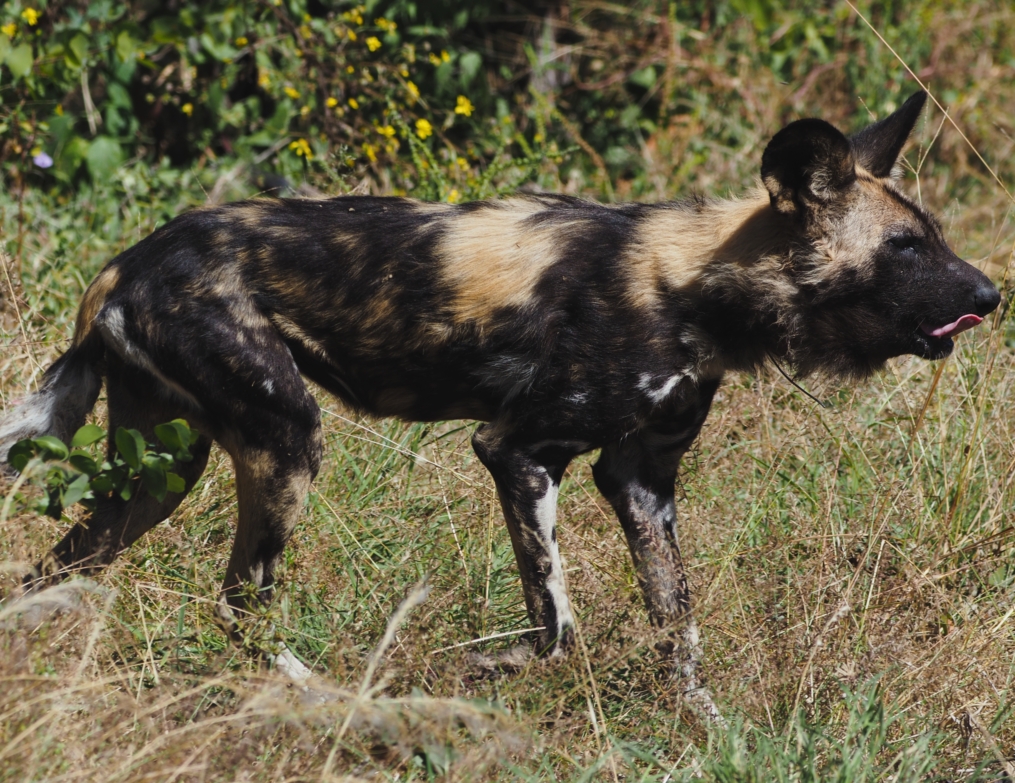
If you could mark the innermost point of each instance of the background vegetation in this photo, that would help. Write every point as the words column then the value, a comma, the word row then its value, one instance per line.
column 853, row 567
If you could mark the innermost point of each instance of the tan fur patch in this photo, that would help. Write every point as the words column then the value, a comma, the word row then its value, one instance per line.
column 93, row 300
column 492, row 259
column 674, row 246
column 857, row 233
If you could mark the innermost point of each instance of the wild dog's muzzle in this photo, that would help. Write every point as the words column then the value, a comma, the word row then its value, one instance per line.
column 986, row 298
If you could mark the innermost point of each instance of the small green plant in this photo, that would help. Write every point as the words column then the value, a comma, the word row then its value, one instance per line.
column 863, row 749
column 77, row 474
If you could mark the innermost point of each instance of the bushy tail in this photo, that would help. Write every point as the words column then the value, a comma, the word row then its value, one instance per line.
column 69, row 387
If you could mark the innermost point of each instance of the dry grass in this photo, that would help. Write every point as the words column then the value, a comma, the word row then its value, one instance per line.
column 829, row 549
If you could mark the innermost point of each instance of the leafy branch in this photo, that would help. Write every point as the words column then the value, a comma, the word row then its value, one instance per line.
column 78, row 474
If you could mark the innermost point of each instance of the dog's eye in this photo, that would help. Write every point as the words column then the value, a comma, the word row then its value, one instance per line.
column 904, row 241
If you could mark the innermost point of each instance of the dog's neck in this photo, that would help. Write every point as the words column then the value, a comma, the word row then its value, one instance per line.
column 734, row 259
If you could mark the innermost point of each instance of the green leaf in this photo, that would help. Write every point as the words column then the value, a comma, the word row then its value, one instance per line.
column 178, row 436
column 5, row 47
column 645, row 78
column 126, row 47
column 118, row 95
column 20, row 454
column 70, row 158
column 50, row 447
column 86, row 436
column 175, row 483
column 83, row 462
column 153, row 477
column 104, row 157
column 19, row 60
column 130, row 445
column 469, row 64
column 76, row 490
column 102, row 484
column 77, row 48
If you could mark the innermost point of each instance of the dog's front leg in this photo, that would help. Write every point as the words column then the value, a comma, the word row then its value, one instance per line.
column 637, row 476
column 528, row 479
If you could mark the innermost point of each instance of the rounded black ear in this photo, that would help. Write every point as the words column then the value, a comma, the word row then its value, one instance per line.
column 805, row 165
column 877, row 146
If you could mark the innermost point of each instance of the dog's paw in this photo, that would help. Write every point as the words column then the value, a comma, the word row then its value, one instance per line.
column 483, row 666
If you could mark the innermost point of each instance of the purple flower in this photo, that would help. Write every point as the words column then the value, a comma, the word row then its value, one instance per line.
column 42, row 160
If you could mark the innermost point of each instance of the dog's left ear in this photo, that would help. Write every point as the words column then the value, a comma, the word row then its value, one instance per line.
column 877, row 146
column 805, row 166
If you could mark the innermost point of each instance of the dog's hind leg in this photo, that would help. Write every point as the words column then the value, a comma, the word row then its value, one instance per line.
column 136, row 401
column 528, row 480
column 273, row 434
column 637, row 476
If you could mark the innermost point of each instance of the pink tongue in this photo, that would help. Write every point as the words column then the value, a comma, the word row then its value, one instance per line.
column 965, row 322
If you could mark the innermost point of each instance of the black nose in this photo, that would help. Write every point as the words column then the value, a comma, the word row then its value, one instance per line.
column 986, row 298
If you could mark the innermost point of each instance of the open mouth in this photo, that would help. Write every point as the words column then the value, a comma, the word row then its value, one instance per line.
column 967, row 321
column 936, row 343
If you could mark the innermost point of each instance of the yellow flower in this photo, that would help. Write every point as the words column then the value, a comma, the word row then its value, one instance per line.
column 445, row 57
column 353, row 103
column 352, row 36
column 350, row 69
column 241, row 41
column 434, row 59
column 301, row 148
column 404, row 71
column 9, row 29
column 373, row 43
column 413, row 91
column 464, row 106
column 355, row 16
column 263, row 80
column 187, row 108
column 454, row 196
column 292, row 92
column 386, row 25
column 305, row 31
column 386, row 130
column 331, row 103
column 424, row 128
column 371, row 152
column 462, row 163
column 58, row 111
column 304, row 110
column 30, row 15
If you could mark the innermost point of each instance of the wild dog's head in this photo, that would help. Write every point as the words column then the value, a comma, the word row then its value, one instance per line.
column 876, row 278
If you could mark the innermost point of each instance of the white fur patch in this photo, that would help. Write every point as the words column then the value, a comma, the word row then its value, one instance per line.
column 657, row 394
column 292, row 667
column 33, row 418
column 546, row 519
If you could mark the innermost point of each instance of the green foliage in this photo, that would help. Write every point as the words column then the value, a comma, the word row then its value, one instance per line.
column 861, row 750
column 293, row 86
column 76, row 474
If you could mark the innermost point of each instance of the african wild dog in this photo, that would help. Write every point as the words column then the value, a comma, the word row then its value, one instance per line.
column 564, row 325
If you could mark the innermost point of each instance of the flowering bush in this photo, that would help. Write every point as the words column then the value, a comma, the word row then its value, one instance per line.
column 302, row 92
